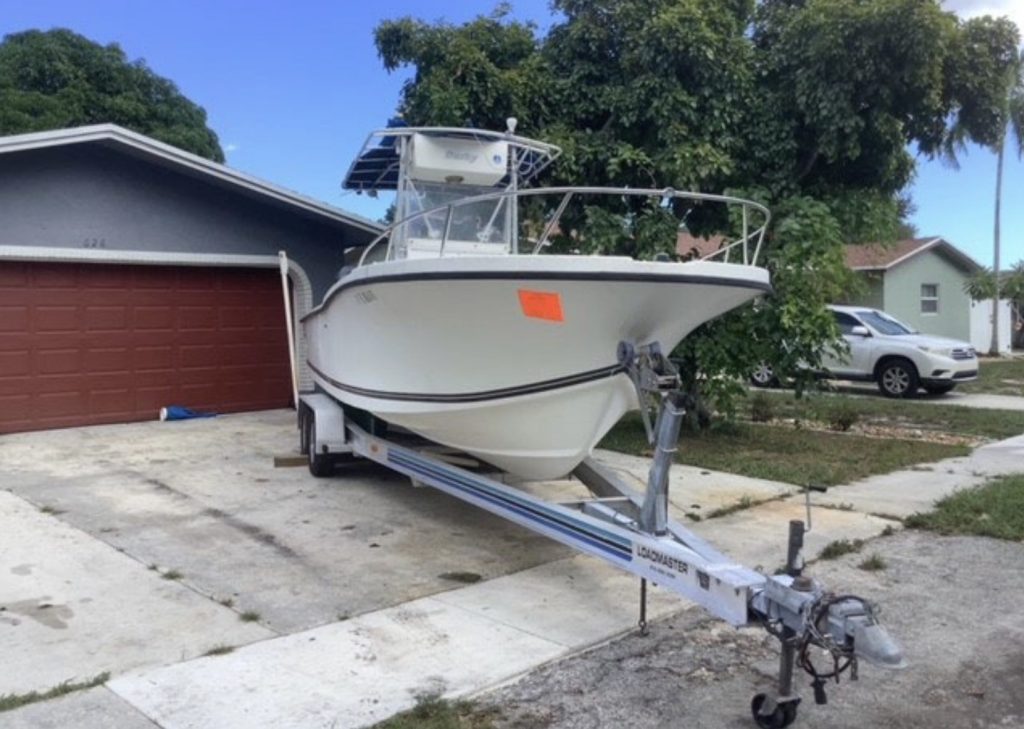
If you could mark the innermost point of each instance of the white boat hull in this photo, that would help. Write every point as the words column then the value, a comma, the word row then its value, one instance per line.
column 511, row 359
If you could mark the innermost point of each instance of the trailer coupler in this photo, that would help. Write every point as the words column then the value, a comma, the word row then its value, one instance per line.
column 807, row 618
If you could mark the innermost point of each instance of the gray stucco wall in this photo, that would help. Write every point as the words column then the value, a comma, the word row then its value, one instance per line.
column 903, row 295
column 93, row 196
column 871, row 292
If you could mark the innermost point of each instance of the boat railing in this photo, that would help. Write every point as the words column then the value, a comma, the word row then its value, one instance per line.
column 744, row 249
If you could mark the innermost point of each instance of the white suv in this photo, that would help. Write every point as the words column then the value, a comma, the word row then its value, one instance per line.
column 899, row 359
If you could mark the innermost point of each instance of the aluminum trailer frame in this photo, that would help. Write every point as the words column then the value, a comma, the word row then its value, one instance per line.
column 632, row 532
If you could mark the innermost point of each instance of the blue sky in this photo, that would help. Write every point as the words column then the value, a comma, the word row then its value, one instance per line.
column 293, row 88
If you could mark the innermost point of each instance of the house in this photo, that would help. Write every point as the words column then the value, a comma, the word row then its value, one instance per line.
column 134, row 275
column 921, row 281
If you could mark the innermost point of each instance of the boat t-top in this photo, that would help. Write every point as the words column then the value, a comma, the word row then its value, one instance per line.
column 459, row 323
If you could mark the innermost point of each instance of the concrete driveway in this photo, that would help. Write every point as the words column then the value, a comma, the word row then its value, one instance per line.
column 137, row 549
column 147, row 543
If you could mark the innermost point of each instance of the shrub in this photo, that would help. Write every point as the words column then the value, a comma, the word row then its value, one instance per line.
column 842, row 416
column 762, row 408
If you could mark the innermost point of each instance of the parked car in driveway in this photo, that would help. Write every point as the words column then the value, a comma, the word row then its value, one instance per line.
column 899, row 359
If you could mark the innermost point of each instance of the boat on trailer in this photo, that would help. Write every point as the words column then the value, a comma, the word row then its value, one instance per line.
column 481, row 351
column 459, row 327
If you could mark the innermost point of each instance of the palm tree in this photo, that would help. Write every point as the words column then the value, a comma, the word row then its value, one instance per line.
column 1013, row 125
column 1010, row 125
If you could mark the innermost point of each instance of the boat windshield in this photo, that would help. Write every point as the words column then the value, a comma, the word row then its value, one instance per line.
column 478, row 221
column 883, row 323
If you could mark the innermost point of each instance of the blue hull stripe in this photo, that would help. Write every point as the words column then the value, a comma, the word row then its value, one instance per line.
column 580, row 532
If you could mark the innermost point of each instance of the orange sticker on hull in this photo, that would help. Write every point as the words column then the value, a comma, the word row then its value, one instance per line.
column 544, row 305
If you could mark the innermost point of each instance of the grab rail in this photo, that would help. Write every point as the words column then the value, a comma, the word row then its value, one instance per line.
column 742, row 243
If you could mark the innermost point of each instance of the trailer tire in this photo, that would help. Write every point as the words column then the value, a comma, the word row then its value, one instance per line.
column 304, row 414
column 320, row 464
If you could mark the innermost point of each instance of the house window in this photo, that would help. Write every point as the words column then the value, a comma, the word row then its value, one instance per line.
column 929, row 298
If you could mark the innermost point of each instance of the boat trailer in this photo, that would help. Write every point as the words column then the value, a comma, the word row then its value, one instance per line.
column 633, row 532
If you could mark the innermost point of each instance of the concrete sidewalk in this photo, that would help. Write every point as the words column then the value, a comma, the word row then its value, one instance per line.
column 980, row 400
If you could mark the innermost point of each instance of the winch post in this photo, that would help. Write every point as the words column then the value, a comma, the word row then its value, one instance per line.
column 654, row 510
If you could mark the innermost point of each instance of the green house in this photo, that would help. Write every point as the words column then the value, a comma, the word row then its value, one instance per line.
column 921, row 282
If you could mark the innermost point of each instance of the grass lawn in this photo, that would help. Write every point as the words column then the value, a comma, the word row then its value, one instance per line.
column 995, row 509
column 952, row 419
column 434, row 713
column 783, row 453
column 998, row 377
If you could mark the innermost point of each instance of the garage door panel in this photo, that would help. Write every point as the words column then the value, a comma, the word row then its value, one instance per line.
column 200, row 282
column 58, row 404
column 54, row 277
column 90, row 343
column 155, row 318
column 13, row 318
column 14, row 275
column 113, row 401
column 103, row 278
column 55, row 383
column 151, row 399
column 15, row 363
column 197, row 355
column 50, row 318
column 154, row 278
column 206, row 397
column 58, row 361
column 154, row 378
column 192, row 317
column 15, row 386
column 159, row 357
column 197, row 375
column 108, row 360
column 105, row 318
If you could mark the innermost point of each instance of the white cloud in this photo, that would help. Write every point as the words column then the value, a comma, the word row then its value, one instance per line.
column 1013, row 9
column 230, row 147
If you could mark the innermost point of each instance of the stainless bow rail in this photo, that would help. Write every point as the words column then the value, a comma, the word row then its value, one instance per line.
column 747, row 246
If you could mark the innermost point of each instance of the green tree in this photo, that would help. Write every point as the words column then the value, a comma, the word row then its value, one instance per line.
column 57, row 78
column 808, row 106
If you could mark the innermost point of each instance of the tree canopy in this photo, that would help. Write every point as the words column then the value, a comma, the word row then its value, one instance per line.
column 57, row 78
column 809, row 106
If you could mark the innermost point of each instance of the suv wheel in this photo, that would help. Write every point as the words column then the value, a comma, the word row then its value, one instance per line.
column 898, row 378
column 762, row 376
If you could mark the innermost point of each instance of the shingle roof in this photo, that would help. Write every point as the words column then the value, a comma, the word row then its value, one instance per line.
column 870, row 256
column 688, row 244
column 881, row 257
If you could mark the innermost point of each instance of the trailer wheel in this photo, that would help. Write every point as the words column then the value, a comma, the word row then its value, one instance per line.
column 320, row 464
column 782, row 716
column 304, row 414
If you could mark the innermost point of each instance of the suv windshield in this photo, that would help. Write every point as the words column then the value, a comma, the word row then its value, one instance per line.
column 883, row 323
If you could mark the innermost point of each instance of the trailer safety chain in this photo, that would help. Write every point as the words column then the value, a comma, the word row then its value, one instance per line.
column 843, row 659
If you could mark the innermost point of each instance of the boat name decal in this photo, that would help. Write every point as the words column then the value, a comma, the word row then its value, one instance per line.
column 661, row 559
column 461, row 156
column 366, row 296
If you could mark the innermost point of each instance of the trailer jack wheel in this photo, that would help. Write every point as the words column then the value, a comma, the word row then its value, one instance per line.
column 320, row 464
column 783, row 715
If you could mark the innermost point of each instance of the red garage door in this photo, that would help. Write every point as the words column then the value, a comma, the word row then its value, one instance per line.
column 94, row 343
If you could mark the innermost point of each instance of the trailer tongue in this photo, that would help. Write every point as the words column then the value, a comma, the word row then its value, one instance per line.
column 633, row 532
